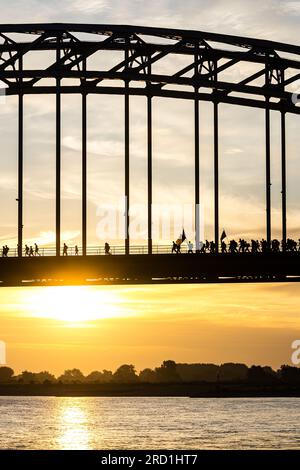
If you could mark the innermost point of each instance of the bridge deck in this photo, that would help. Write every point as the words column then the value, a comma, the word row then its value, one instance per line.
column 149, row 269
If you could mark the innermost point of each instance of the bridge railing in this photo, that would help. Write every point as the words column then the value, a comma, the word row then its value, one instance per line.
column 119, row 250
column 100, row 250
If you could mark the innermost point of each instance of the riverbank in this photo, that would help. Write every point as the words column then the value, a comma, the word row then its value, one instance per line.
column 201, row 390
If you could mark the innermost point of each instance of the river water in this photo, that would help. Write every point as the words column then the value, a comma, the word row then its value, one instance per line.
column 149, row 423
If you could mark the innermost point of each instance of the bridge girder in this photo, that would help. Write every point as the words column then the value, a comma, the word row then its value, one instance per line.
column 210, row 56
column 269, row 70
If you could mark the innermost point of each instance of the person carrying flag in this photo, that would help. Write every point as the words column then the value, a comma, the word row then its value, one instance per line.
column 223, row 235
column 180, row 240
column 223, row 244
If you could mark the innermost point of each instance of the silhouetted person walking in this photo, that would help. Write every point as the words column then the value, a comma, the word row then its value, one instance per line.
column 291, row 245
column 36, row 250
column 233, row 246
column 254, row 246
column 275, row 245
column 76, row 250
column 243, row 246
column 30, row 251
column 26, row 251
column 212, row 247
column 223, row 247
column 65, row 250
column 107, row 248
column 264, row 245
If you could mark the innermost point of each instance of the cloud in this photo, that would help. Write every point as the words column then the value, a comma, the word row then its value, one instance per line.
column 291, row 7
column 250, row 17
column 89, row 6
column 233, row 151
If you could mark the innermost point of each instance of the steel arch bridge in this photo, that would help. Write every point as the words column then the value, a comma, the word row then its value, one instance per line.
column 208, row 56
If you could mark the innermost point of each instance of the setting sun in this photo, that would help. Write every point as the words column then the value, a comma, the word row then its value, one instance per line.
column 74, row 304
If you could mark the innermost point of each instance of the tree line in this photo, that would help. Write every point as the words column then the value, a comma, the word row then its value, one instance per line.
column 169, row 371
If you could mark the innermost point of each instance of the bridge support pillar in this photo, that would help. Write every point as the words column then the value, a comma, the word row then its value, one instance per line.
column 127, row 169
column 283, row 179
column 216, row 173
column 84, row 173
column 149, row 171
column 268, row 175
column 127, row 165
column 20, row 167
column 58, row 157
column 197, row 169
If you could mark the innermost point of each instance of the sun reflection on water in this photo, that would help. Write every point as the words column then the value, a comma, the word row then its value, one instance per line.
column 73, row 423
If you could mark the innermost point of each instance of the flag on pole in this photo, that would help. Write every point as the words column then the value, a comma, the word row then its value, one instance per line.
column 223, row 235
column 181, row 239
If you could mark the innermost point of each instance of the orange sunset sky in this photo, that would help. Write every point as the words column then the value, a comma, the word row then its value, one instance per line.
column 92, row 328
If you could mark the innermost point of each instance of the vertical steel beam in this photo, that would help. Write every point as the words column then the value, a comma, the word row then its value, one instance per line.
column 283, row 179
column 268, row 174
column 58, row 156
column 127, row 166
column 216, row 172
column 20, row 164
column 84, row 168
column 197, row 154
column 149, row 169
column 84, row 172
column 197, row 176
column 216, row 162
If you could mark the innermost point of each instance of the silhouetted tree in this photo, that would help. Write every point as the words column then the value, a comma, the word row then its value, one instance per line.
column 125, row 374
column 107, row 375
column 198, row 372
column 232, row 372
column 289, row 374
column 99, row 377
column 44, row 377
column 71, row 376
column 94, row 377
column 148, row 375
column 6, row 374
column 271, row 373
column 167, row 372
column 26, row 377
column 258, row 375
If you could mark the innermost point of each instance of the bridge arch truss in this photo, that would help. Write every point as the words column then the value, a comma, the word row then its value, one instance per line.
column 208, row 57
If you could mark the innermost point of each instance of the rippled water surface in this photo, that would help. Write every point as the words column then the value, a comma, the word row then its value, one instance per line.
column 149, row 423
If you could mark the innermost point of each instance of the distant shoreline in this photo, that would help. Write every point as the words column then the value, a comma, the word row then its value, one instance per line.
column 193, row 390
